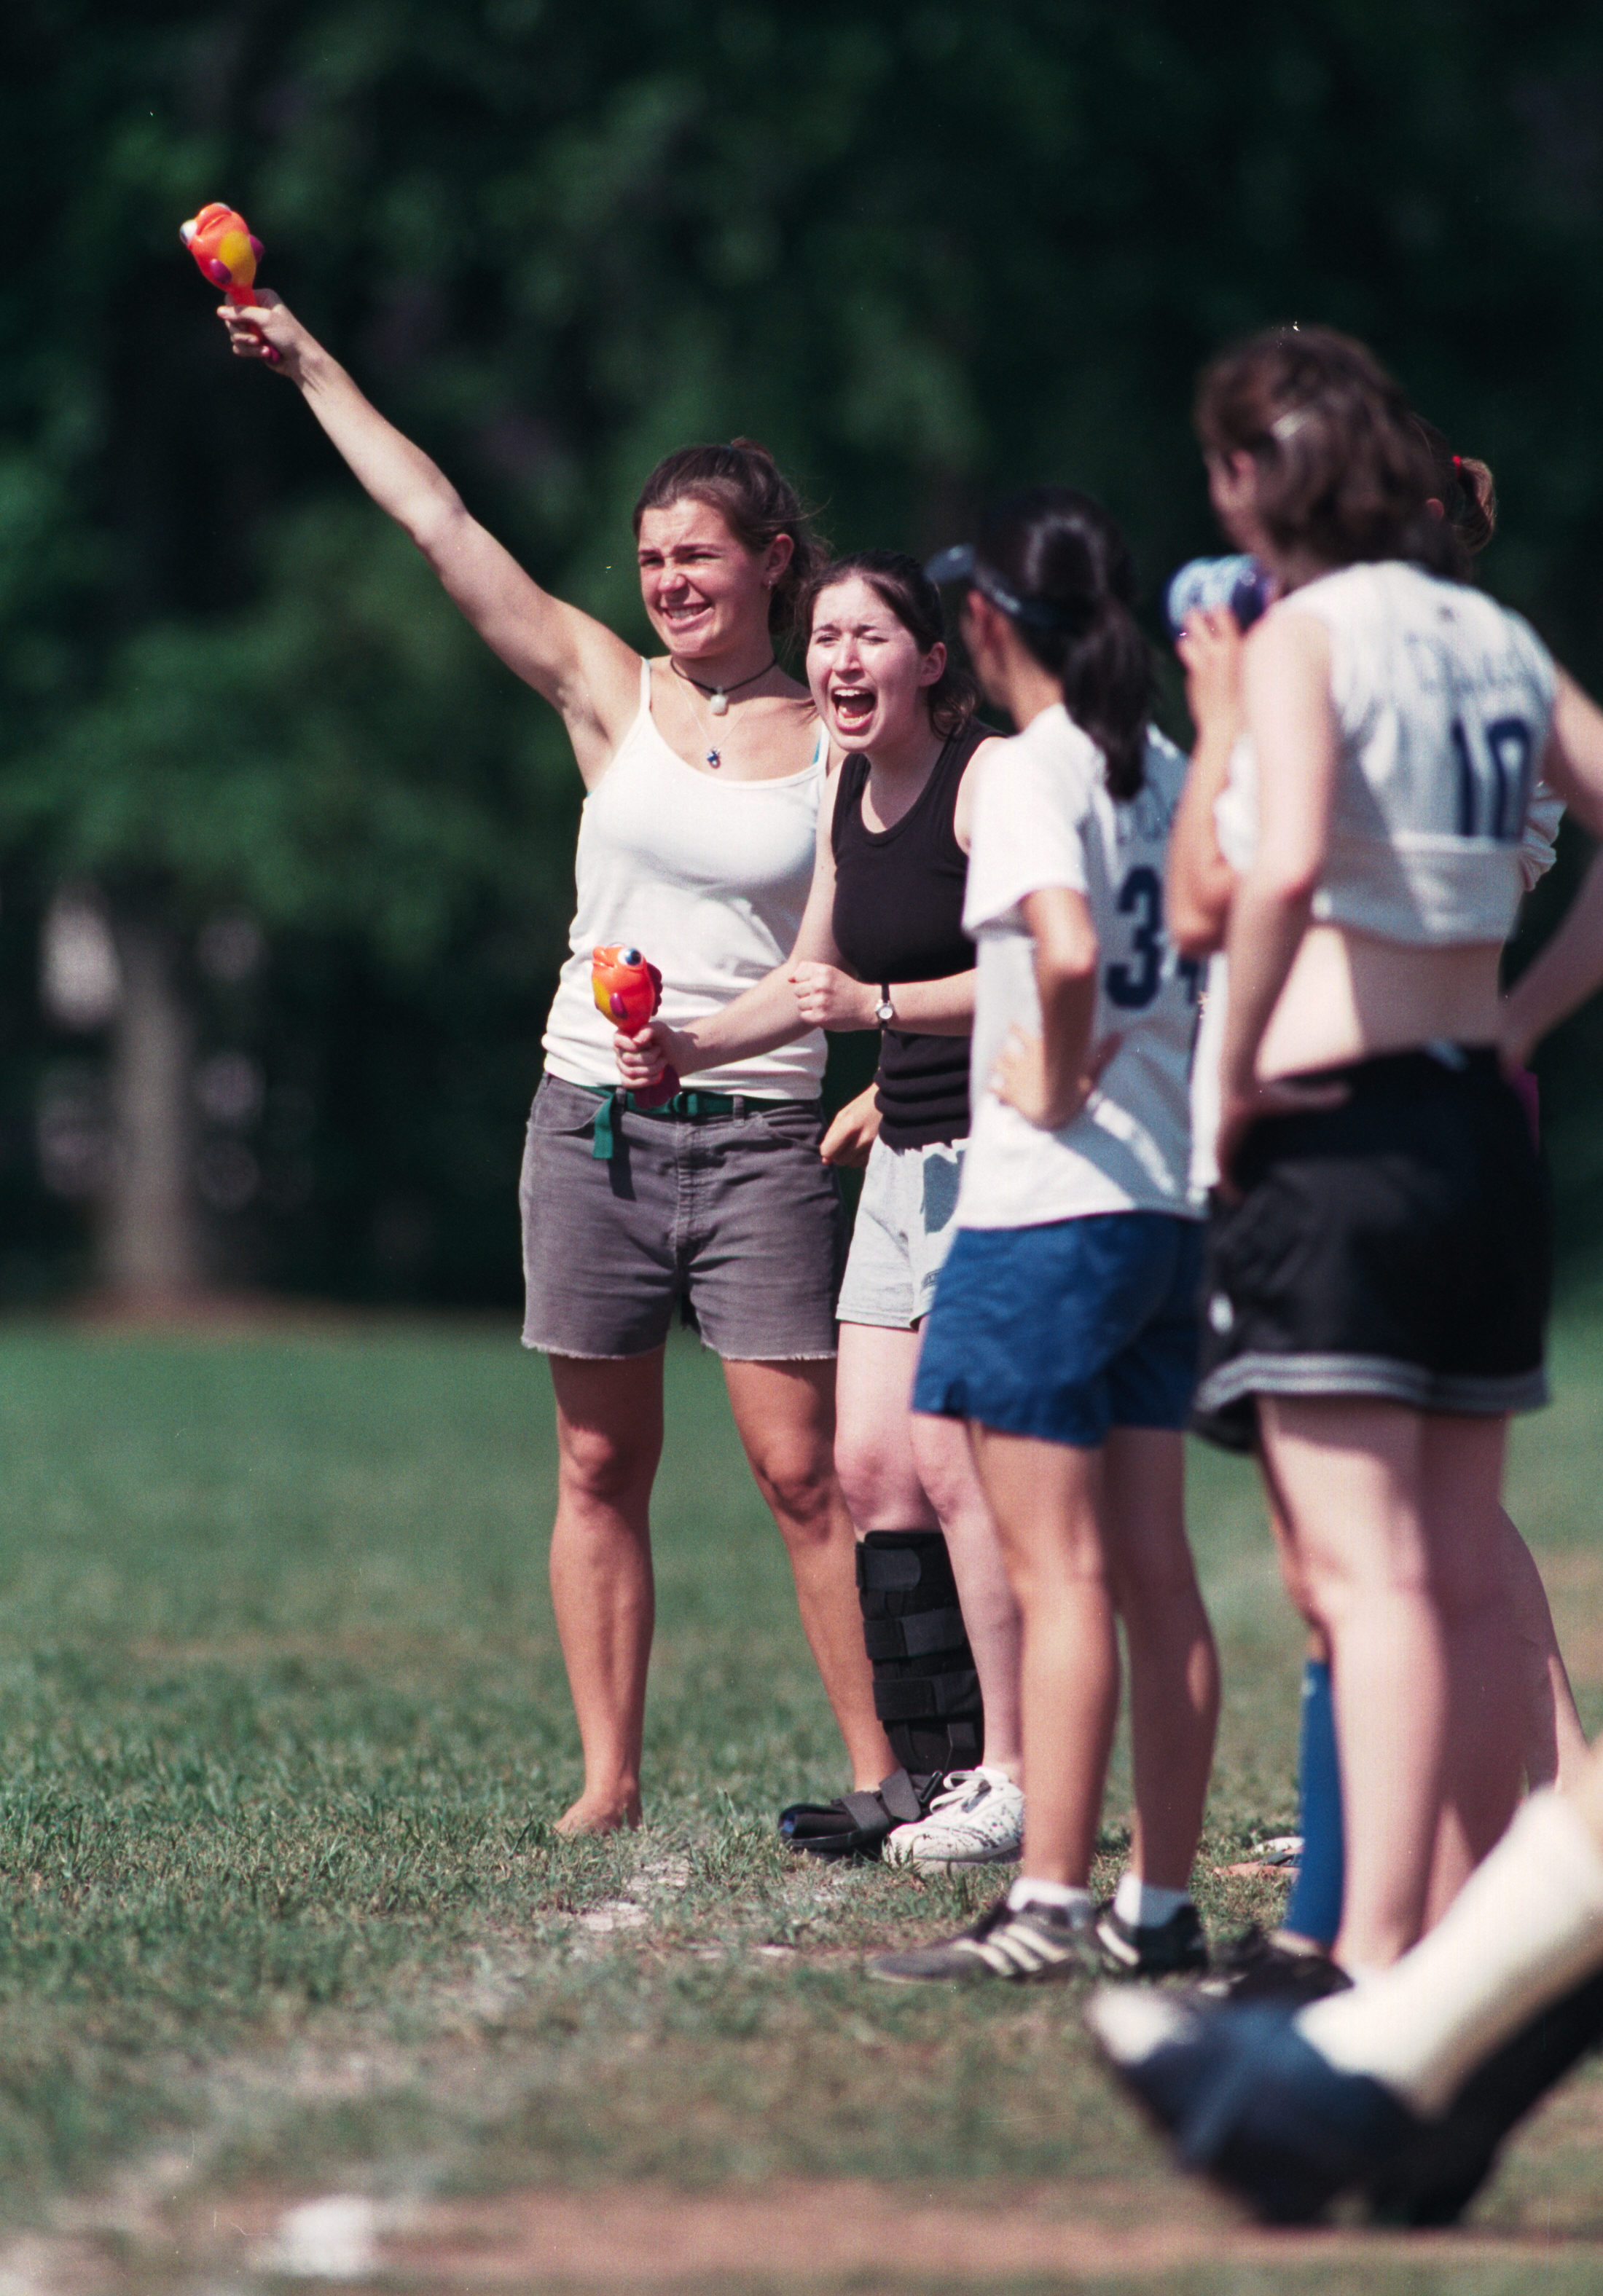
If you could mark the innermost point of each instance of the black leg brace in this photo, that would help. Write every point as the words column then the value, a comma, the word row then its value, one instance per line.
column 925, row 1689
column 926, row 1692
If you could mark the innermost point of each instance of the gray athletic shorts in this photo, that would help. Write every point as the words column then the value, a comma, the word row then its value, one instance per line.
column 904, row 1231
column 732, row 1218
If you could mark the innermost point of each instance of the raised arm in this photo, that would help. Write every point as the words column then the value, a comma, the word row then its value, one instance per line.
column 1287, row 701
column 1198, row 881
column 580, row 666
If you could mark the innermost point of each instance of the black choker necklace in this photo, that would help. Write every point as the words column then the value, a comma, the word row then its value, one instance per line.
column 717, row 696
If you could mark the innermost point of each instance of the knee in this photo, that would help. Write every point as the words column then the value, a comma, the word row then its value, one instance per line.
column 859, row 1468
column 604, row 1466
column 799, row 1483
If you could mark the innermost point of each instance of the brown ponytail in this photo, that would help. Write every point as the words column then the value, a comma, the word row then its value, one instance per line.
column 1465, row 488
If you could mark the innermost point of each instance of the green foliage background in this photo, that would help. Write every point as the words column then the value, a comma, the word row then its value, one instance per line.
column 922, row 250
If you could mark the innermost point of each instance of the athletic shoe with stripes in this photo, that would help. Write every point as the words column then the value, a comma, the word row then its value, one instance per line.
column 1176, row 1947
column 1256, row 1967
column 976, row 1819
column 1032, row 1945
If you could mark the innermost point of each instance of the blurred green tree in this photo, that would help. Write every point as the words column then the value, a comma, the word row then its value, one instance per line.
column 924, row 250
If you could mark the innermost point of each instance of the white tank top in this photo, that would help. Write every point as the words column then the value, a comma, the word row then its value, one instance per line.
column 708, row 878
column 1443, row 700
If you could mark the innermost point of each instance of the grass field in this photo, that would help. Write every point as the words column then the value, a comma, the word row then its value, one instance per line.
column 283, row 1727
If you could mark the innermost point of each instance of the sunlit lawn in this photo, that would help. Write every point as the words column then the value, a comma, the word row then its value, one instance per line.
column 284, row 1727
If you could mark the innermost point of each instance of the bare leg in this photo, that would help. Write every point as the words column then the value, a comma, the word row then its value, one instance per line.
column 904, row 1471
column 1173, row 1665
column 1391, row 1514
column 1556, row 1744
column 784, row 1413
column 609, row 1432
column 1489, row 1717
column 1046, row 1499
column 990, row 1612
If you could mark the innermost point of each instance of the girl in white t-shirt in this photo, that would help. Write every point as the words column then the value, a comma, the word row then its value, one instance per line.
column 1064, row 1329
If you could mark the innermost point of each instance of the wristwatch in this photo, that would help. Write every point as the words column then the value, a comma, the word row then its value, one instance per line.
column 883, row 1011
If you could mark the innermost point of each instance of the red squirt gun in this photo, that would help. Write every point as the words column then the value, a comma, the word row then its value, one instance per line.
column 227, row 249
column 628, row 991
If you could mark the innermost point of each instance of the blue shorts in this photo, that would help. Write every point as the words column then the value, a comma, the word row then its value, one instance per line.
column 1064, row 1331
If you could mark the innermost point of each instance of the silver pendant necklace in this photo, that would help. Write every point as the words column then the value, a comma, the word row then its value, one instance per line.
column 717, row 696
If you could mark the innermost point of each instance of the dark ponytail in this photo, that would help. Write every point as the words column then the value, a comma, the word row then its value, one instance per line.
column 757, row 502
column 1466, row 490
column 1062, row 556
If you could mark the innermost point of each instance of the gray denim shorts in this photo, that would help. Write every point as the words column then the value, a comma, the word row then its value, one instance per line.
column 903, row 1233
column 731, row 1219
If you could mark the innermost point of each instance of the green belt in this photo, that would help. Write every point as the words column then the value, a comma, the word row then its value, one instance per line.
column 613, row 1100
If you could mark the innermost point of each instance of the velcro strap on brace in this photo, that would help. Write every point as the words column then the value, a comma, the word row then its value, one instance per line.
column 927, row 1696
column 900, row 1795
column 867, row 1806
column 918, row 1636
column 886, row 1570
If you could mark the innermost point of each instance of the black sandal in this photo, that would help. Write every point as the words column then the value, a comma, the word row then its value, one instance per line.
column 855, row 1825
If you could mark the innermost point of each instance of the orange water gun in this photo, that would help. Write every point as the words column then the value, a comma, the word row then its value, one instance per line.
column 628, row 991
column 227, row 249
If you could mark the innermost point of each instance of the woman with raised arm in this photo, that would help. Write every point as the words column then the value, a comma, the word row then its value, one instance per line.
column 882, row 945
column 704, row 766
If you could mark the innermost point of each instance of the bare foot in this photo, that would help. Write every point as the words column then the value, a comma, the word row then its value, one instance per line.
column 598, row 1817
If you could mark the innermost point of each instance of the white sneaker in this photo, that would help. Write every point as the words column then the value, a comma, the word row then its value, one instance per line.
column 976, row 1819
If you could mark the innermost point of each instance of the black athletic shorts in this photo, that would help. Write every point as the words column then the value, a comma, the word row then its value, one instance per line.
column 1397, row 1246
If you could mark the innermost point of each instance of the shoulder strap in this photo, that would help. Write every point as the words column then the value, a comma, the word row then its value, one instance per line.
column 848, row 798
column 645, row 684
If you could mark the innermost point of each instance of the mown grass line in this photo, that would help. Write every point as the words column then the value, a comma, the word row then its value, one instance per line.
column 283, row 1727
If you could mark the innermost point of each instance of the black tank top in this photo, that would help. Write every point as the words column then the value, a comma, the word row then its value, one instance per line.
column 898, row 916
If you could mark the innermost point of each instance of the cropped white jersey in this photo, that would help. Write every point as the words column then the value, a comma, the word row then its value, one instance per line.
column 1443, row 701
column 710, row 879
column 1235, row 827
column 1043, row 818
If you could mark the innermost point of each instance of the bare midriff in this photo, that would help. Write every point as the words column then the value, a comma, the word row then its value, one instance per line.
column 1349, row 995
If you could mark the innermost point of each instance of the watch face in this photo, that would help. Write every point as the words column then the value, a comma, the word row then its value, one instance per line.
column 884, row 1012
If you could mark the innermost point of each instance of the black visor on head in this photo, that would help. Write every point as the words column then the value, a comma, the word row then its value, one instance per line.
column 960, row 564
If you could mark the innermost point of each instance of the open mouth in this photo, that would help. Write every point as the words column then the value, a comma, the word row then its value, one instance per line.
column 853, row 707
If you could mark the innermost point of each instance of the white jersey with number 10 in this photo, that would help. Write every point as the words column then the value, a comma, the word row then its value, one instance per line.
column 1043, row 818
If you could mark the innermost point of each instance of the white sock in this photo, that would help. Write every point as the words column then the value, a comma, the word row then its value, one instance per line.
column 1525, row 1928
column 1143, row 1905
column 1077, row 1904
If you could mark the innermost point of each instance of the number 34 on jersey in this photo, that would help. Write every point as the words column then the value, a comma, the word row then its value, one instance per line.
column 1130, row 980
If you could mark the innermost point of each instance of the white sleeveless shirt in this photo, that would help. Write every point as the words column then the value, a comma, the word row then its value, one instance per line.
column 709, row 878
column 1443, row 701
